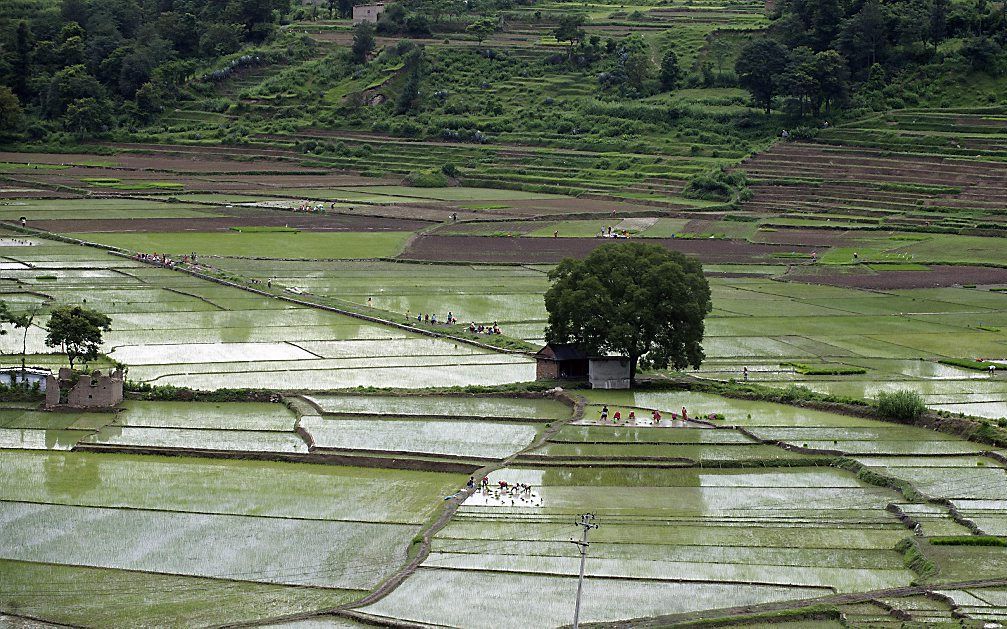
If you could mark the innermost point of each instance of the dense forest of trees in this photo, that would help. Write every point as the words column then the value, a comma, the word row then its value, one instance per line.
column 816, row 49
column 82, row 64
column 82, row 67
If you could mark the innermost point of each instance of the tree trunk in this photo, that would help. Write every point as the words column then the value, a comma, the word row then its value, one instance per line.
column 24, row 350
column 632, row 370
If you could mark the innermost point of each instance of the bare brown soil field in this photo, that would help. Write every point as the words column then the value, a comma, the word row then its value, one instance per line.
column 74, row 178
column 223, row 152
column 562, row 206
column 935, row 277
column 16, row 191
column 483, row 227
column 237, row 218
column 434, row 212
column 854, row 180
column 548, row 250
column 156, row 162
column 345, row 38
column 804, row 236
column 791, row 159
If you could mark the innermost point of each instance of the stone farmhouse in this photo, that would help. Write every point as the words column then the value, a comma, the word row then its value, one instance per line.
column 368, row 12
column 88, row 391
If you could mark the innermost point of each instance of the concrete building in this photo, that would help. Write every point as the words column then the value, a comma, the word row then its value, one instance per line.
column 368, row 12
column 609, row 372
column 10, row 376
column 560, row 361
column 86, row 392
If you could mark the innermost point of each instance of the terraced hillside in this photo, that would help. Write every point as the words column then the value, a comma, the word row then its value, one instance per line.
column 761, row 505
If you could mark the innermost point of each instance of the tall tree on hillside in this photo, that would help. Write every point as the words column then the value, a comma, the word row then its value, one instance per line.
column 10, row 110
column 825, row 20
column 86, row 117
column 345, row 8
column 864, row 36
column 363, row 42
column 634, row 299
column 409, row 97
column 78, row 331
column 718, row 49
column 798, row 79
column 483, row 27
column 833, row 78
column 570, row 28
column 759, row 67
column 69, row 85
column 671, row 74
column 22, row 60
column 938, row 26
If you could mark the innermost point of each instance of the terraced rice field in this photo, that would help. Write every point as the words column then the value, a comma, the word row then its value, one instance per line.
column 874, row 251
column 173, row 328
column 177, row 522
column 743, row 536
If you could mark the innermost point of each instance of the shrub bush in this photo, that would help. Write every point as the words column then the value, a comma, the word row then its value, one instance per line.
column 716, row 185
column 901, row 405
column 427, row 179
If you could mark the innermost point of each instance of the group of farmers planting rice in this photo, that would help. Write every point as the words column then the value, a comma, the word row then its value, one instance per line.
column 450, row 319
column 656, row 418
column 503, row 493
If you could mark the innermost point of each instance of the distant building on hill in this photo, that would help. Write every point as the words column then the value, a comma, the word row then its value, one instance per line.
column 368, row 12
column 88, row 391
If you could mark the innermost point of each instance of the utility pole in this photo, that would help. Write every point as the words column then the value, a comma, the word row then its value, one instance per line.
column 587, row 522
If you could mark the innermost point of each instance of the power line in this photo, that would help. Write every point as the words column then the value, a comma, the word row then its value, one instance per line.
column 587, row 522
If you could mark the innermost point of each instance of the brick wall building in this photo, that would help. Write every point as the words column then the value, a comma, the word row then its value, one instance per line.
column 93, row 390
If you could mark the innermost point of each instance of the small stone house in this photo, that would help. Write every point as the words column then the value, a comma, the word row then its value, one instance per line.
column 368, row 12
column 609, row 372
column 87, row 391
column 561, row 361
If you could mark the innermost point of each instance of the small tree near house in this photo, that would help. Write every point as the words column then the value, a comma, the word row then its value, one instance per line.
column 77, row 331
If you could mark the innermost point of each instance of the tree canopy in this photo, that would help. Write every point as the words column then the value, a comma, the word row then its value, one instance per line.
column 637, row 300
column 105, row 51
column 759, row 67
column 77, row 331
column 363, row 42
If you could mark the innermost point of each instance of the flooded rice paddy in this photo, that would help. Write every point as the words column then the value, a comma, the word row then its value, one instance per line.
column 173, row 328
column 273, row 509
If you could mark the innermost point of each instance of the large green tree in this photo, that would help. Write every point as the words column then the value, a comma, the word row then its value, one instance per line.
column 638, row 300
column 10, row 110
column 22, row 60
column 671, row 74
column 363, row 42
column 87, row 117
column 483, row 27
column 21, row 320
column 570, row 28
column 759, row 68
column 77, row 331
column 863, row 39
